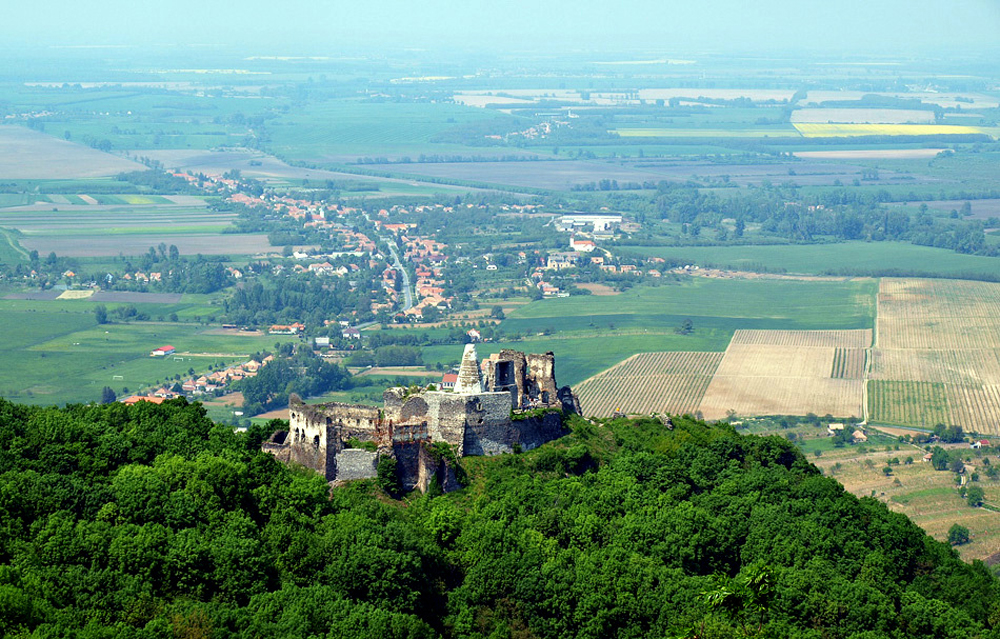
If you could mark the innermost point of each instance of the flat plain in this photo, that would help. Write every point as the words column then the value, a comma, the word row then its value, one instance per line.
column 937, row 354
column 671, row 383
column 855, row 257
column 786, row 373
column 54, row 352
column 27, row 154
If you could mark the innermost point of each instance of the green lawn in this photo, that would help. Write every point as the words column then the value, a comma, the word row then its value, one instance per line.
column 857, row 257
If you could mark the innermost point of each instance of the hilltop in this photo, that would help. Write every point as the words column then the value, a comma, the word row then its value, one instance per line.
column 151, row 521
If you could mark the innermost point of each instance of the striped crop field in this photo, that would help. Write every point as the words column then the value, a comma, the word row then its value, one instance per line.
column 861, row 338
column 937, row 354
column 786, row 379
column 650, row 383
column 826, row 130
column 908, row 403
column 848, row 363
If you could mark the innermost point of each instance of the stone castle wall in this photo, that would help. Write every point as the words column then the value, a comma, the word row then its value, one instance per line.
column 471, row 423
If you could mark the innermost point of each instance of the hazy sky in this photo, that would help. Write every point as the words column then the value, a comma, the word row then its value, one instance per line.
column 670, row 25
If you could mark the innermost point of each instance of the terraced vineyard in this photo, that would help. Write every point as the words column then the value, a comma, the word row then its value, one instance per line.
column 650, row 383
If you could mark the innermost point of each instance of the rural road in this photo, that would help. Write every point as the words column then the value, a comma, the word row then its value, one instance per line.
column 408, row 304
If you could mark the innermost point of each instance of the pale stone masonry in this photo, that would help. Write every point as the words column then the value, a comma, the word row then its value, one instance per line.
column 475, row 419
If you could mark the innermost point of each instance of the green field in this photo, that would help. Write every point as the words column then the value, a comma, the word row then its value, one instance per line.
column 844, row 257
column 784, row 131
column 56, row 353
column 368, row 128
column 591, row 333
column 773, row 304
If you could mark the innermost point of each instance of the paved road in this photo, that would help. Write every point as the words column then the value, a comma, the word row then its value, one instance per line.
column 407, row 291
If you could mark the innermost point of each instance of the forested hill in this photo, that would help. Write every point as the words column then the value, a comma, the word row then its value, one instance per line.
column 149, row 521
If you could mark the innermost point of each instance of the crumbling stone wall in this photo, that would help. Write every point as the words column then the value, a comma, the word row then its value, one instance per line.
column 356, row 463
column 529, row 378
column 476, row 422
column 317, row 433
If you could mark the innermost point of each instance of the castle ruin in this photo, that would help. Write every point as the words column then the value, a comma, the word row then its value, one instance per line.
column 483, row 415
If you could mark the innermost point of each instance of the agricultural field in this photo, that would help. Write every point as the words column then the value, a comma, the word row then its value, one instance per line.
column 861, row 116
column 870, row 154
column 786, row 373
column 945, row 99
column 834, row 258
column 842, row 340
column 269, row 169
column 319, row 131
column 936, row 357
column 816, row 130
column 56, row 353
column 27, row 154
column 650, row 383
column 566, row 173
column 192, row 243
column 645, row 319
column 980, row 209
column 775, row 131
column 927, row 496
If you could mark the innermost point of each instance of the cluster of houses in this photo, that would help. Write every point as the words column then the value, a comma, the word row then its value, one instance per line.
column 201, row 384
column 430, row 290
column 857, row 433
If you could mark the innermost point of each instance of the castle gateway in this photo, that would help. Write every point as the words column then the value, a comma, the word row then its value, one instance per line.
column 483, row 415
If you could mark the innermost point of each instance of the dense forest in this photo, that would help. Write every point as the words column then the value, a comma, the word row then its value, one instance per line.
column 151, row 521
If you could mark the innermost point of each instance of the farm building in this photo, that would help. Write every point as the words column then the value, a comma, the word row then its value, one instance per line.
column 163, row 351
column 134, row 399
column 291, row 329
column 351, row 333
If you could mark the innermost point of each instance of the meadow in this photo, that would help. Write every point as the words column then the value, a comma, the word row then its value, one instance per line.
column 758, row 303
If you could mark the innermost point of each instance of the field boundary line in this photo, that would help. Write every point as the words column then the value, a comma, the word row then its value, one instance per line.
column 9, row 238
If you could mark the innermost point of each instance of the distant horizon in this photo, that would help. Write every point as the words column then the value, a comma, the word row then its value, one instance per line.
column 726, row 27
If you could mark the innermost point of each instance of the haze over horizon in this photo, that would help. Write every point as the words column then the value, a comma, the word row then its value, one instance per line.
column 299, row 27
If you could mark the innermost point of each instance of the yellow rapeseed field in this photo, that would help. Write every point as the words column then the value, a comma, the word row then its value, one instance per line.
column 817, row 130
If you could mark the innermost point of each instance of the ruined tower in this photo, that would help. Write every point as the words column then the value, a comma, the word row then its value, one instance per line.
column 345, row 442
column 469, row 381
